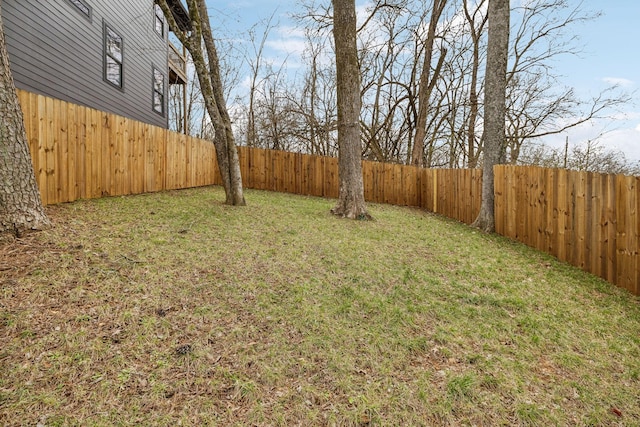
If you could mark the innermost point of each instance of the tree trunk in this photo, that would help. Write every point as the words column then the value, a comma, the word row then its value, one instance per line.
column 494, row 116
column 472, row 154
column 427, row 83
column 351, row 202
column 207, row 67
column 20, row 204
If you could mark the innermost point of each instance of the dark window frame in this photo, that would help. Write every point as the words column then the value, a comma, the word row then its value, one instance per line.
column 155, row 92
column 106, row 55
column 159, row 18
column 78, row 5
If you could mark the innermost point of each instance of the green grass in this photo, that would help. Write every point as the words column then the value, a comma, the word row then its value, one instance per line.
column 172, row 308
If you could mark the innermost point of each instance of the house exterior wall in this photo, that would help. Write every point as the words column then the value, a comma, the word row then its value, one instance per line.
column 56, row 50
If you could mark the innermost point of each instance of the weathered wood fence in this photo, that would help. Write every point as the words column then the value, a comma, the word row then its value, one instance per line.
column 588, row 220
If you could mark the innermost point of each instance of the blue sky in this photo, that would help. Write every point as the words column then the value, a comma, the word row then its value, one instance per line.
column 610, row 54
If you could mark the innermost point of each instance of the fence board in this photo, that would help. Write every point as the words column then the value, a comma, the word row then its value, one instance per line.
column 120, row 156
column 71, row 183
column 611, row 216
column 590, row 228
column 539, row 208
column 331, row 186
column 636, row 230
column 137, row 157
column 90, row 158
column 626, row 236
column 245, row 165
column 309, row 166
column 597, row 225
column 432, row 189
column 581, row 206
column 570, row 217
column 106, row 150
column 499, row 198
column 318, row 162
column 259, row 169
column 510, row 205
column 129, row 154
column 60, row 122
column 30, row 114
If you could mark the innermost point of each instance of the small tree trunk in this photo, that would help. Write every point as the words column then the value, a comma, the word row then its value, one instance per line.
column 351, row 202
column 427, row 83
column 207, row 67
column 235, row 195
column 231, row 174
column 494, row 126
column 20, row 204
column 476, row 33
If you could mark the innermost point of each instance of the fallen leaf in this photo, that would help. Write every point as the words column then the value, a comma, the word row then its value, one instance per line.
column 616, row 411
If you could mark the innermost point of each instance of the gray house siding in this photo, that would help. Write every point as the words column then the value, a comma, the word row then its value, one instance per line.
column 56, row 51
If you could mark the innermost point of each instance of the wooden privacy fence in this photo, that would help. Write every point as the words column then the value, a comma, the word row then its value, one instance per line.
column 82, row 153
column 454, row 193
column 588, row 220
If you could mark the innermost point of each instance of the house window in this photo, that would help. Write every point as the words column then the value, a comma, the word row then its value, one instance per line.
column 82, row 7
column 159, row 20
column 158, row 91
column 113, row 57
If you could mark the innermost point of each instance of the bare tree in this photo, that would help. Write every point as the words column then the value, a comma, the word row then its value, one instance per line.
column 186, row 117
column 427, row 81
column 255, row 65
column 351, row 202
column 477, row 21
column 207, row 67
column 537, row 103
column 590, row 156
column 494, row 116
column 274, row 119
column 317, row 101
column 397, row 122
column 21, row 207
column 387, row 121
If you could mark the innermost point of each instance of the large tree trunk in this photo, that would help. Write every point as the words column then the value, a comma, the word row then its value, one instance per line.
column 207, row 67
column 351, row 202
column 20, row 204
column 494, row 108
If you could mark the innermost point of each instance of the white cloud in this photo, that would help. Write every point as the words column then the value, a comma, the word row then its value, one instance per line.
column 625, row 138
column 619, row 81
column 287, row 46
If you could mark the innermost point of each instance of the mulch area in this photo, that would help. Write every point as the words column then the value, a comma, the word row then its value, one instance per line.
column 19, row 255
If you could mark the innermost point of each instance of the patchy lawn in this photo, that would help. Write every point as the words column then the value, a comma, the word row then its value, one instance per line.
column 171, row 308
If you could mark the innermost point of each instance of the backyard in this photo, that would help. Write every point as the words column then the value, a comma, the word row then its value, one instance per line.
column 173, row 309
